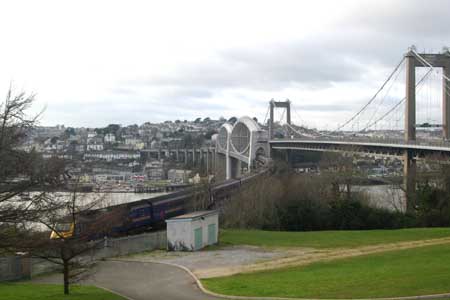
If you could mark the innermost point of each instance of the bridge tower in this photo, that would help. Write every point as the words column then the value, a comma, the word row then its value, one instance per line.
column 413, row 60
column 272, row 106
column 279, row 104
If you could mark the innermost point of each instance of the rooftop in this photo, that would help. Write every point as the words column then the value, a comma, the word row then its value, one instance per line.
column 193, row 215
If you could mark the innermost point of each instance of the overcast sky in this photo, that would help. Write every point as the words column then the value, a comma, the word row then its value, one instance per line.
column 92, row 63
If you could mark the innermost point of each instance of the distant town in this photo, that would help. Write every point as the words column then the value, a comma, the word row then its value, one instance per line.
column 113, row 158
column 119, row 158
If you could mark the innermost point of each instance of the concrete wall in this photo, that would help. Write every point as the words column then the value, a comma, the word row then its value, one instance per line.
column 14, row 268
column 199, row 223
column 180, row 236
column 41, row 266
column 17, row 267
column 129, row 245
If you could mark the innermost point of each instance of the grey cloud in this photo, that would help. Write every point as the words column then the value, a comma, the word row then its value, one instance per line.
column 375, row 34
column 134, row 109
column 416, row 19
column 180, row 92
column 325, row 108
column 272, row 68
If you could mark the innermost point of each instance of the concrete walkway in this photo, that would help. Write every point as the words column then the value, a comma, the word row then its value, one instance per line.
column 141, row 281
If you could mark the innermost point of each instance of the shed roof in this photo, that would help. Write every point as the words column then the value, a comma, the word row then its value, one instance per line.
column 193, row 215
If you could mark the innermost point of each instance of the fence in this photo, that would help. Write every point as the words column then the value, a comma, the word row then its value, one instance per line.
column 14, row 268
column 129, row 245
column 22, row 267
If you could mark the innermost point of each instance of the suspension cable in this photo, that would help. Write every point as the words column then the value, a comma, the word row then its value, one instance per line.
column 265, row 118
column 398, row 103
column 298, row 132
column 373, row 97
column 384, row 98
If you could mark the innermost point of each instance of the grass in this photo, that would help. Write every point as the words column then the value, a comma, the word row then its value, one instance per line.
column 410, row 272
column 328, row 239
column 26, row 291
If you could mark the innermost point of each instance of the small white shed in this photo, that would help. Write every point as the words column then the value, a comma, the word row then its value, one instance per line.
column 193, row 231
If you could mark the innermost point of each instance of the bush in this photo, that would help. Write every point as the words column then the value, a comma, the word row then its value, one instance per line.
column 306, row 203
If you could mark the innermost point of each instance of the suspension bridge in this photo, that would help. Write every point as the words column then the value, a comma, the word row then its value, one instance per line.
column 385, row 125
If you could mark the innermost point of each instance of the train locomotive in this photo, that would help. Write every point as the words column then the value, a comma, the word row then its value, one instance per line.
column 123, row 219
column 142, row 215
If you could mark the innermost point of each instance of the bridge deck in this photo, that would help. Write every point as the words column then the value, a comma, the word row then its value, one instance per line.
column 394, row 147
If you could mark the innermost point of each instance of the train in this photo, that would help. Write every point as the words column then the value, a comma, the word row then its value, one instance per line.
column 142, row 215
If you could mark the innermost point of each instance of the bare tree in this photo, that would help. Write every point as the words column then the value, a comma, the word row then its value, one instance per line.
column 254, row 205
column 338, row 169
column 73, row 229
column 25, row 178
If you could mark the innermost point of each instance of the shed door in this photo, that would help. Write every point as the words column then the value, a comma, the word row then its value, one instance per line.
column 211, row 234
column 198, row 235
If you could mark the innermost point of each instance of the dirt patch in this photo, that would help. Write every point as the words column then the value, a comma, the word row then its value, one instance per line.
column 201, row 261
column 300, row 258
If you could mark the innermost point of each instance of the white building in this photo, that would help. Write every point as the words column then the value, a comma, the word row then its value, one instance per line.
column 91, row 135
column 193, row 231
column 110, row 138
column 155, row 174
column 94, row 147
column 134, row 143
column 112, row 155
column 155, row 170
column 196, row 179
column 178, row 176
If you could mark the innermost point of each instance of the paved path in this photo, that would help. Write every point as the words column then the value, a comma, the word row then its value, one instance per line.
column 142, row 281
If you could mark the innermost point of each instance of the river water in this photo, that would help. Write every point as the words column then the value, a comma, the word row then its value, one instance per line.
column 89, row 200
column 102, row 200
column 384, row 196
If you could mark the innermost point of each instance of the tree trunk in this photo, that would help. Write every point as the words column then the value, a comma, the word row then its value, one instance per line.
column 66, row 277
column 349, row 191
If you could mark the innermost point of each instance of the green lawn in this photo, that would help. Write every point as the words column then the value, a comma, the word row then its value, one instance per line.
column 410, row 272
column 328, row 239
column 27, row 291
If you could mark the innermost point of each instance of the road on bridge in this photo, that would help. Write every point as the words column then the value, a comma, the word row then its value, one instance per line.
column 141, row 281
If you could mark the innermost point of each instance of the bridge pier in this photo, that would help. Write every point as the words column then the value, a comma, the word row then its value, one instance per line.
column 228, row 174
column 446, row 102
column 235, row 168
column 207, row 162
column 409, row 179
column 202, row 159
column 213, row 161
column 222, row 166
